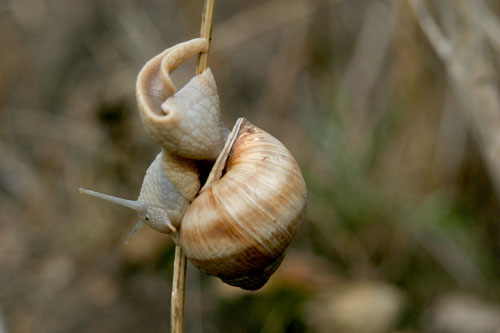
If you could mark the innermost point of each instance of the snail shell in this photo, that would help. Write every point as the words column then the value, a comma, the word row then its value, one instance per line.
column 247, row 213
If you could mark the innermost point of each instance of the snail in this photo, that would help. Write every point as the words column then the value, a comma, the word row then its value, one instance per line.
column 238, row 226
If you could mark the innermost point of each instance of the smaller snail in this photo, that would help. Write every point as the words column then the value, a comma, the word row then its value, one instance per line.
column 238, row 226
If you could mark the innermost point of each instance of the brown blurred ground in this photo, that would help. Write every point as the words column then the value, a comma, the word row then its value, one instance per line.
column 402, row 228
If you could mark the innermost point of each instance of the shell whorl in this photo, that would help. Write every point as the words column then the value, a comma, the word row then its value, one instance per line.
column 247, row 213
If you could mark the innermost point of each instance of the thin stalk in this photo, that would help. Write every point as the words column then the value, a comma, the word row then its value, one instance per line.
column 178, row 289
column 179, row 278
column 207, row 19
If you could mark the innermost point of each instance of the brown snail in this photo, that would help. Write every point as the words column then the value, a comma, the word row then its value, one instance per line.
column 240, row 223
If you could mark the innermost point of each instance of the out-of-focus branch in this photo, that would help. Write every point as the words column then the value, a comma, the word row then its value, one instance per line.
column 470, row 74
column 369, row 53
column 268, row 16
column 441, row 44
column 488, row 22
column 451, row 138
column 364, row 69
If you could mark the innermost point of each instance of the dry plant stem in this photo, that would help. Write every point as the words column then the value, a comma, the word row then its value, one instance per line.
column 206, row 32
column 464, row 52
column 178, row 289
column 179, row 279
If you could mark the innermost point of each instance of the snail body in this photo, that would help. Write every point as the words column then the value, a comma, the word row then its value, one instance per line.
column 171, row 117
column 239, row 224
column 160, row 204
column 186, row 123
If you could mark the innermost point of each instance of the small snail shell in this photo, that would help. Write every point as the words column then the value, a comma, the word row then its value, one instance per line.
column 247, row 213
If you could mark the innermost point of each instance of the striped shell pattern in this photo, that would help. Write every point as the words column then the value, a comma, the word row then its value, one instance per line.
column 248, row 211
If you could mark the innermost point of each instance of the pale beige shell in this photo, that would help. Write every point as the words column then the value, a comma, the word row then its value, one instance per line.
column 249, row 210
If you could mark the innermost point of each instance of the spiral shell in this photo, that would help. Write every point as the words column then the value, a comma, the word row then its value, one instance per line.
column 247, row 213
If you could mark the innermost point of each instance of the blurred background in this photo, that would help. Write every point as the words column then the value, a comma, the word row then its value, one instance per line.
column 391, row 108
